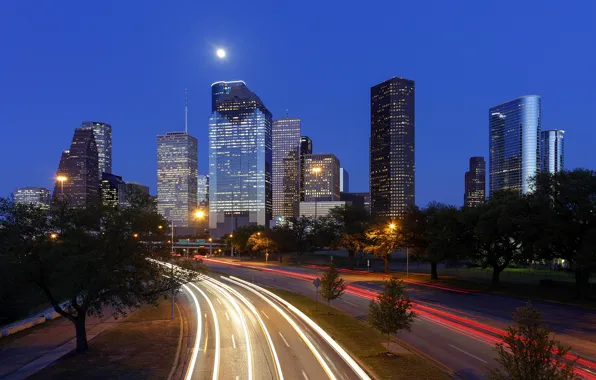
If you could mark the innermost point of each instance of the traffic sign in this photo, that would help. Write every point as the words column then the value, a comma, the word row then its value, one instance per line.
column 317, row 282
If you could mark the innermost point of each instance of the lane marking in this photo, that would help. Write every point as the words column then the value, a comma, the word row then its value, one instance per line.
column 350, row 303
column 284, row 339
column 233, row 341
column 227, row 316
column 205, row 315
column 263, row 311
column 218, row 301
column 195, row 351
column 467, row 353
column 217, row 336
column 304, row 375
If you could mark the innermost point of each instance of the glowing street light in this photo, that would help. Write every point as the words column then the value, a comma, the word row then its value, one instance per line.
column 61, row 179
column 160, row 227
column 392, row 226
column 53, row 236
column 135, row 235
column 199, row 214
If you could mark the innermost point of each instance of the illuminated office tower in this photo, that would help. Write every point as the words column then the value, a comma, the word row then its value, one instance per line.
column 203, row 190
column 222, row 88
column 286, row 167
column 551, row 150
column 77, row 179
column 240, row 161
column 36, row 196
column 305, row 148
column 344, row 180
column 392, row 160
column 321, row 178
column 177, row 177
column 112, row 190
column 514, row 132
column 102, row 132
column 475, row 182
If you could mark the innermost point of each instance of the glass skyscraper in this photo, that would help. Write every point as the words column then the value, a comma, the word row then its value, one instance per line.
column 344, row 180
column 36, row 196
column 79, row 168
column 177, row 173
column 514, row 132
column 286, row 167
column 551, row 150
column 112, row 190
column 475, row 182
column 102, row 132
column 240, row 161
column 321, row 178
column 392, row 160
column 203, row 190
column 221, row 88
column 305, row 148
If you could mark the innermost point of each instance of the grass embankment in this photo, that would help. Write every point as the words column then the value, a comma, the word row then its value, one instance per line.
column 364, row 342
column 141, row 347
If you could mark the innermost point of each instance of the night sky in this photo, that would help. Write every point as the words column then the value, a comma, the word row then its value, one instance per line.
column 128, row 64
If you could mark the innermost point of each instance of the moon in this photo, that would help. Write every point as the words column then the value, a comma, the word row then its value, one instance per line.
column 221, row 53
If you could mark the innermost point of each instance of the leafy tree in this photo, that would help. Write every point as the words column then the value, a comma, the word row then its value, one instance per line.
column 241, row 236
column 384, row 239
column 391, row 311
column 88, row 261
column 434, row 233
column 528, row 352
column 323, row 233
column 261, row 242
column 350, row 223
column 499, row 233
column 332, row 286
column 566, row 216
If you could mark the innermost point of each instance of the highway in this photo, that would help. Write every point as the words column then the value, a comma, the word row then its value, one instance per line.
column 242, row 331
column 462, row 341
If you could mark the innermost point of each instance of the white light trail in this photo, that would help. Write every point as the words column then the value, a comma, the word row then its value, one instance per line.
column 195, row 351
column 298, row 330
column 340, row 351
column 216, row 324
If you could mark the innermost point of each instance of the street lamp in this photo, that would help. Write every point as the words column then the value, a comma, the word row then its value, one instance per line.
column 53, row 236
column 231, row 246
column 210, row 246
column 317, row 170
column 135, row 235
column 61, row 179
column 392, row 226
column 199, row 214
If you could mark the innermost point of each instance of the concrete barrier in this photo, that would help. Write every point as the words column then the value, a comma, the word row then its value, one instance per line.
column 52, row 315
column 20, row 326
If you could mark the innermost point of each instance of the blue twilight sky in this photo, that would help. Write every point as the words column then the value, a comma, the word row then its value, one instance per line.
column 127, row 63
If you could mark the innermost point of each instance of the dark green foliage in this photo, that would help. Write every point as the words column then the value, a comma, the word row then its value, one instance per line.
column 391, row 311
column 332, row 285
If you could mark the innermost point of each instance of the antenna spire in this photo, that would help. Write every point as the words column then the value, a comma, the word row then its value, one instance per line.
column 186, row 110
column 287, row 113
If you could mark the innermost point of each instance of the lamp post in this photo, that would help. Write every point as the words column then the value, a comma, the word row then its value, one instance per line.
column 61, row 179
column 392, row 227
column 316, row 170
column 231, row 246
column 210, row 246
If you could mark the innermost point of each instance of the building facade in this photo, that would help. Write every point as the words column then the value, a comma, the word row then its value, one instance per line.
column 552, row 150
column 392, row 158
column 286, row 167
column 135, row 186
column 222, row 88
column 514, row 132
column 36, row 196
column 357, row 199
column 344, row 181
column 240, row 162
column 475, row 182
column 321, row 177
column 203, row 190
column 305, row 148
column 177, row 172
column 102, row 132
column 319, row 209
column 79, row 171
column 112, row 190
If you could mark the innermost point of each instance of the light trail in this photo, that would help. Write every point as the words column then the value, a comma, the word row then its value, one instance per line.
column 236, row 307
column 217, row 336
column 195, row 351
column 296, row 328
column 340, row 351
column 254, row 310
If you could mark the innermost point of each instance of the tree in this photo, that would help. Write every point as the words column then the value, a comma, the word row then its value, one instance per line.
column 332, row 286
column 499, row 233
column 384, row 239
column 528, row 352
column 567, row 219
column 434, row 233
column 88, row 260
column 241, row 236
column 261, row 242
column 350, row 223
column 391, row 311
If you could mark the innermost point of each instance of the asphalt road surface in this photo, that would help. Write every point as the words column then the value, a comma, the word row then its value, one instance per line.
column 244, row 332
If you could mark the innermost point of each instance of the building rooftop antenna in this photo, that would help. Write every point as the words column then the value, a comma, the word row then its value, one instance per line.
column 186, row 110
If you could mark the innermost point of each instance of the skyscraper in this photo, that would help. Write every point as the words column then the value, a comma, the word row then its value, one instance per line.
column 551, row 150
column 286, row 167
column 221, row 88
column 305, row 148
column 475, row 182
column 392, row 160
column 78, row 170
column 321, row 178
column 240, row 161
column 344, row 180
column 203, row 190
column 37, row 196
column 514, row 131
column 102, row 132
column 112, row 190
column 177, row 174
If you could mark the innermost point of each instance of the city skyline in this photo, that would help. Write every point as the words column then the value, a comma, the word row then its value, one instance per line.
column 461, row 89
